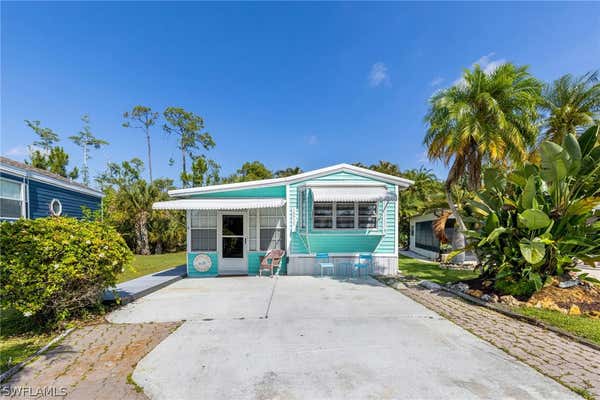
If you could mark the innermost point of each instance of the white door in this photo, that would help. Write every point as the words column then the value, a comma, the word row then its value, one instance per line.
column 232, row 242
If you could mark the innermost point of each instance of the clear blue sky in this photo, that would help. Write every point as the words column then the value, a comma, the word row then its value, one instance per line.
column 288, row 84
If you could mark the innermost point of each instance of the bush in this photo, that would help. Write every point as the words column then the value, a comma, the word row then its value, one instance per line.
column 536, row 221
column 521, row 289
column 55, row 268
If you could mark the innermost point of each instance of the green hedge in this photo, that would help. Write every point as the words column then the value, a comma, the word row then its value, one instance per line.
column 55, row 268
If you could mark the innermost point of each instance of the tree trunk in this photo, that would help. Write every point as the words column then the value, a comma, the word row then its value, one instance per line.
column 159, row 247
column 141, row 228
column 183, row 181
column 149, row 156
column 458, row 238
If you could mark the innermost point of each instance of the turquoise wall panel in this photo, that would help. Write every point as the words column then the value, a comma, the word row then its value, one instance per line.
column 254, row 263
column 193, row 273
column 265, row 192
column 334, row 241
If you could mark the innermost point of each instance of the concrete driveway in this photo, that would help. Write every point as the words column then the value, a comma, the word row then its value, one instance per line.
column 323, row 338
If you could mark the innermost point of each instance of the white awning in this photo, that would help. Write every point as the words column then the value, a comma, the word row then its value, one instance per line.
column 352, row 194
column 217, row 204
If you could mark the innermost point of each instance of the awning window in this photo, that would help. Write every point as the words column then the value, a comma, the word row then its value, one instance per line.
column 218, row 204
column 352, row 194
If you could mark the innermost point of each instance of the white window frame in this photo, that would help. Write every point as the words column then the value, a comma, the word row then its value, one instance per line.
column 23, row 202
column 334, row 216
column 202, row 227
column 260, row 227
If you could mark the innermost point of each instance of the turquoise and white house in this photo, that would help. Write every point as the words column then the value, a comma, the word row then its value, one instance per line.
column 342, row 210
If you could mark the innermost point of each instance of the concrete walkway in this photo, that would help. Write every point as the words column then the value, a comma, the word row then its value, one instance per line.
column 139, row 287
column 324, row 338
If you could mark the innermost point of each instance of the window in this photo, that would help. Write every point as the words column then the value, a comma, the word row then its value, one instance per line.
column 323, row 215
column 203, row 230
column 12, row 205
column 345, row 215
column 55, row 207
column 272, row 228
column 367, row 215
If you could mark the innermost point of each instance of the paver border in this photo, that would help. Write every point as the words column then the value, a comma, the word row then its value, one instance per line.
column 524, row 318
column 4, row 376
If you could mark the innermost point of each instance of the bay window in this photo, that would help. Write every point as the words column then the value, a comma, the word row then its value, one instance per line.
column 345, row 215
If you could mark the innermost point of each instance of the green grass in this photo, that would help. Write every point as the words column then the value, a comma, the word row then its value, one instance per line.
column 144, row 265
column 585, row 327
column 432, row 271
column 19, row 338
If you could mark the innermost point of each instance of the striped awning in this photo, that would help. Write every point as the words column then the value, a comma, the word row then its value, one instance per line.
column 218, row 204
column 352, row 193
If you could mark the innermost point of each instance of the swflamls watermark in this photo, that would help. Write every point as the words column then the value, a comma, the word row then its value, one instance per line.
column 28, row 391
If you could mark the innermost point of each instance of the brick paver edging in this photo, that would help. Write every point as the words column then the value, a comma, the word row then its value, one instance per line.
column 16, row 368
column 524, row 318
column 569, row 362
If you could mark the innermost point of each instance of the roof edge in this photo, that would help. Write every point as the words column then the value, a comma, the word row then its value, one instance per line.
column 293, row 179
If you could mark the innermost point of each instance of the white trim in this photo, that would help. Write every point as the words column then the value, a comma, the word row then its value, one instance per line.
column 356, row 218
column 293, row 179
column 345, row 184
column 396, row 224
column 235, row 265
column 32, row 175
column 290, row 221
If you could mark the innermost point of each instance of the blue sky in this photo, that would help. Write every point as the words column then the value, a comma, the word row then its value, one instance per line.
column 286, row 83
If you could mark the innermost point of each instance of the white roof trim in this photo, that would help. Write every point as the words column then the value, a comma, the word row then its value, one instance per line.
column 218, row 204
column 352, row 194
column 32, row 175
column 295, row 178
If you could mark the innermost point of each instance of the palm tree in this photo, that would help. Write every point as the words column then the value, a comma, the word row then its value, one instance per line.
column 570, row 102
column 489, row 117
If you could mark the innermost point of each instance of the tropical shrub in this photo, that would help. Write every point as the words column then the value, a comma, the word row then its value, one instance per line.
column 535, row 222
column 54, row 268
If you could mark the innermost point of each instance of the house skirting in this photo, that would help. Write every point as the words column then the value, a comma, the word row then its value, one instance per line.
column 382, row 264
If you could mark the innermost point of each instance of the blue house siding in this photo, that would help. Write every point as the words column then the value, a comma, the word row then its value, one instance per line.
column 41, row 194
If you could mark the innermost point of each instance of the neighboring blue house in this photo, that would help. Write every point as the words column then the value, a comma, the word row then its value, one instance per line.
column 28, row 192
column 343, row 210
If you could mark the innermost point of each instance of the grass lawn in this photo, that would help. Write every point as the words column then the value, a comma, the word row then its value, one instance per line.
column 18, row 339
column 144, row 265
column 432, row 271
column 585, row 327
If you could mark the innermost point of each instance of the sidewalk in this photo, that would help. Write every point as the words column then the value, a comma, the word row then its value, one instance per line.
column 139, row 287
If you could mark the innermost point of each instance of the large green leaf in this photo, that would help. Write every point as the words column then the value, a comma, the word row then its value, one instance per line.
column 493, row 236
column 571, row 146
column 588, row 140
column 532, row 250
column 555, row 162
column 491, row 223
column 533, row 219
column 529, row 193
column 495, row 179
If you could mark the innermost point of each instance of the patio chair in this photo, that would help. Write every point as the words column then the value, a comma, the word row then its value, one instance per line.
column 324, row 263
column 364, row 263
column 271, row 261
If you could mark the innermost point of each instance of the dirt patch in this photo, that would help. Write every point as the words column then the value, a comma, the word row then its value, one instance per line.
column 585, row 297
column 94, row 362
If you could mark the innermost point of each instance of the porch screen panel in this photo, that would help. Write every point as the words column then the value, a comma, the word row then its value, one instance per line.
column 252, row 237
column 272, row 228
column 203, row 230
column 424, row 237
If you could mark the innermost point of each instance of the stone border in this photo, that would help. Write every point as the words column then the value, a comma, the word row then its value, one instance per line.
column 525, row 318
column 20, row 365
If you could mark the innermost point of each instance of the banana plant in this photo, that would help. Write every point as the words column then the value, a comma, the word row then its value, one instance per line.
column 534, row 222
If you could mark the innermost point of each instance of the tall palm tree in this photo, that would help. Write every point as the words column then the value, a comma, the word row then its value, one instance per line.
column 570, row 102
column 488, row 117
